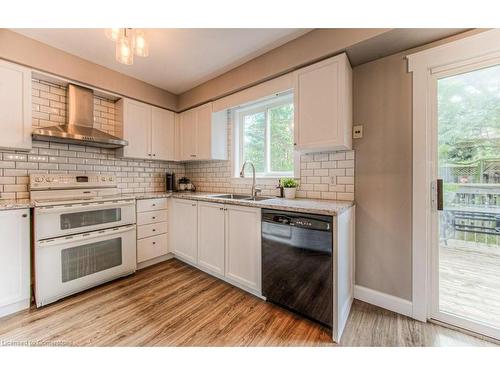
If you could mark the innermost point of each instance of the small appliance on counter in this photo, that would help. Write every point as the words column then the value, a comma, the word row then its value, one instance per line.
column 185, row 184
column 170, row 182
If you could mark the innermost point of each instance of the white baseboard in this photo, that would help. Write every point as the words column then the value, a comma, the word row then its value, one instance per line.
column 386, row 301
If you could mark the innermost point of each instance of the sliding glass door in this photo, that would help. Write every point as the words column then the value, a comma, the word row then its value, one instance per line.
column 465, row 269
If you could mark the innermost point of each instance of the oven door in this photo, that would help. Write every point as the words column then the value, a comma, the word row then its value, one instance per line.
column 62, row 220
column 67, row 265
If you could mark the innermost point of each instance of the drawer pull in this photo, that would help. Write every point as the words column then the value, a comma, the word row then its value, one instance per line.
column 154, row 205
column 154, row 243
column 154, row 217
column 154, row 230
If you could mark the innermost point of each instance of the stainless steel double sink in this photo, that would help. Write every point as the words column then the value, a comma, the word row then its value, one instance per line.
column 240, row 197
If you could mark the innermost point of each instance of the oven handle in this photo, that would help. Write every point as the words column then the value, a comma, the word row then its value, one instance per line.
column 71, row 207
column 85, row 236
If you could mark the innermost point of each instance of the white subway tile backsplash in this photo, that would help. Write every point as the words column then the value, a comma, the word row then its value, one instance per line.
column 49, row 104
column 325, row 175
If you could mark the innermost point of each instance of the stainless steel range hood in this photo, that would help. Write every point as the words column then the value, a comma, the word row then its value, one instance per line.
column 79, row 129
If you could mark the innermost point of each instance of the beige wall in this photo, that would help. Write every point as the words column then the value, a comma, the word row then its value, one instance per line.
column 312, row 46
column 382, row 103
column 20, row 49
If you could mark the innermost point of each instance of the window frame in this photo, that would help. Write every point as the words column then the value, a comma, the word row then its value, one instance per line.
column 263, row 105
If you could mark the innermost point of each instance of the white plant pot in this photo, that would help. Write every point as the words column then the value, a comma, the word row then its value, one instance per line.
column 290, row 193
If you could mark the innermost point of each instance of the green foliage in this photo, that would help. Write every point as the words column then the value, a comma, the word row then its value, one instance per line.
column 280, row 138
column 254, row 140
column 281, row 123
column 469, row 116
column 289, row 183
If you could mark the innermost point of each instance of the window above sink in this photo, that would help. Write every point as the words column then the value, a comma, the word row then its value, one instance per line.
column 263, row 134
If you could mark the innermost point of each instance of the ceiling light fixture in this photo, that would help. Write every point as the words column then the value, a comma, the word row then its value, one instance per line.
column 129, row 42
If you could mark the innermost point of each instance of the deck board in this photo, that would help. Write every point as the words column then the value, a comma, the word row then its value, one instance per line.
column 469, row 281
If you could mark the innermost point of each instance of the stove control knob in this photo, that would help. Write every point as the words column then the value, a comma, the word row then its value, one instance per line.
column 49, row 179
column 111, row 179
column 38, row 179
column 103, row 178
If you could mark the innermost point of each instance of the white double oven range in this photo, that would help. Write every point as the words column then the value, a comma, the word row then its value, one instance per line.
column 84, row 233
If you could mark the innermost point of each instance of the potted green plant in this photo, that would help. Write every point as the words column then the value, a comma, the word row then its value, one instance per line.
column 290, row 187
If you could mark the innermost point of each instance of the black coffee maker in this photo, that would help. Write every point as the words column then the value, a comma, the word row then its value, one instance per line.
column 170, row 182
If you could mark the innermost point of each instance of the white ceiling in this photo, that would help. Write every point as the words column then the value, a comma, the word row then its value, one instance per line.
column 179, row 59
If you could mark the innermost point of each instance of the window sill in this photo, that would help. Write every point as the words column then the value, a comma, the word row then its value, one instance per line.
column 259, row 180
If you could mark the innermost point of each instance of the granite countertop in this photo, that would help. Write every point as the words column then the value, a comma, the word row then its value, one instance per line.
column 162, row 194
column 313, row 206
column 14, row 204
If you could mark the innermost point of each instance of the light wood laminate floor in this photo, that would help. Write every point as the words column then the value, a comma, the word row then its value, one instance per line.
column 173, row 304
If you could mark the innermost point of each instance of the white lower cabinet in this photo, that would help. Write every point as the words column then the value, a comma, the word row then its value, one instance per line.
column 211, row 237
column 151, row 247
column 243, row 247
column 14, row 260
column 183, row 229
column 152, row 241
column 223, row 240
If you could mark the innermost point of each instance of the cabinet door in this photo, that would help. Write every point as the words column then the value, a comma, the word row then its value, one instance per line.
column 211, row 237
column 162, row 134
column 151, row 247
column 188, row 132
column 15, row 106
column 137, row 129
column 14, row 260
column 183, row 226
column 204, row 131
column 322, row 112
column 243, row 247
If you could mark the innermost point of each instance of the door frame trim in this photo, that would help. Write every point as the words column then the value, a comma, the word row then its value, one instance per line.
column 423, row 65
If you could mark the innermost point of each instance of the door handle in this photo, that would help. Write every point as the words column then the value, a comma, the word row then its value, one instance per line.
column 439, row 193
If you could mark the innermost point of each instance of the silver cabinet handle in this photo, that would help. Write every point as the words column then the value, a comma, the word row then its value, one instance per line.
column 25, row 215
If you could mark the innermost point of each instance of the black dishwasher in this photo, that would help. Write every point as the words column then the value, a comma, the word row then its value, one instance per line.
column 297, row 263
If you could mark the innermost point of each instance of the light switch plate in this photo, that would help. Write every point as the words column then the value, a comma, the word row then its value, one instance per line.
column 357, row 131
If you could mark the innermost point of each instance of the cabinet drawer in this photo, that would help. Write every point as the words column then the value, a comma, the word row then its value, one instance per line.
column 151, row 217
column 149, row 230
column 144, row 205
column 151, row 247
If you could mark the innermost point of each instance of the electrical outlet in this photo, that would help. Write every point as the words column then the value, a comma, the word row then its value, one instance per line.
column 357, row 131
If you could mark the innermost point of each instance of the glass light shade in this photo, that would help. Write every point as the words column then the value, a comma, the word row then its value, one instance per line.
column 113, row 34
column 125, row 50
column 141, row 45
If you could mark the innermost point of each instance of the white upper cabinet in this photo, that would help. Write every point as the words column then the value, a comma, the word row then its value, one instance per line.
column 323, row 105
column 15, row 106
column 148, row 130
column 188, row 135
column 203, row 134
column 162, row 134
column 135, row 118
